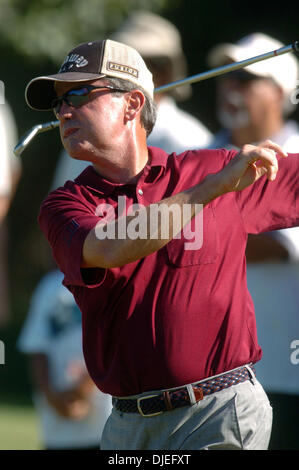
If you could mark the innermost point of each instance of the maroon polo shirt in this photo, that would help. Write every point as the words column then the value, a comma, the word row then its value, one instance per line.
column 176, row 316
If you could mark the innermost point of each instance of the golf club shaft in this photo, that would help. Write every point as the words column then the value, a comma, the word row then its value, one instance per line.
column 26, row 139
column 228, row 68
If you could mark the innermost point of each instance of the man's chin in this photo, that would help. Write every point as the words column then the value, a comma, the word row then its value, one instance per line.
column 79, row 153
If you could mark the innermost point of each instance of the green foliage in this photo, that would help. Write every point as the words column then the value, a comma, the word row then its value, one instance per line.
column 48, row 28
column 19, row 428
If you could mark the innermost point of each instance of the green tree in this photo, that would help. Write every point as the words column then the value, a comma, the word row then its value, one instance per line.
column 48, row 28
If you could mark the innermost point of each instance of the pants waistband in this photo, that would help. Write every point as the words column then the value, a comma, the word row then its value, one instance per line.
column 167, row 400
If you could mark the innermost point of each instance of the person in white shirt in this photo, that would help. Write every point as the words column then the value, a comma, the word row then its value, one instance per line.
column 72, row 411
column 10, row 172
column 253, row 105
column 159, row 43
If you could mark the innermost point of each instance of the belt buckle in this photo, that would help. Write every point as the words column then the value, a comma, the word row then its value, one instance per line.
column 140, row 409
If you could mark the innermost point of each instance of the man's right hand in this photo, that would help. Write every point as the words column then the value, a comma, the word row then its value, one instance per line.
column 250, row 164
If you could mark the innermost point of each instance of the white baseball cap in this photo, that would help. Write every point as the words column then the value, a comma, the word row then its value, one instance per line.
column 283, row 69
column 154, row 36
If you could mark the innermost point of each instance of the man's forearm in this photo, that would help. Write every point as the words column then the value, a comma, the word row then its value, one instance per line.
column 114, row 252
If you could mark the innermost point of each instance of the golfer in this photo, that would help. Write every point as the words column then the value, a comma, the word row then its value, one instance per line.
column 168, row 324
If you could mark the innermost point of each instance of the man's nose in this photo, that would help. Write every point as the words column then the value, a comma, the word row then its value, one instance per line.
column 65, row 110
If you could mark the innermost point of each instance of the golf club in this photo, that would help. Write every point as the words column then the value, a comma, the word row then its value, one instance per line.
column 27, row 138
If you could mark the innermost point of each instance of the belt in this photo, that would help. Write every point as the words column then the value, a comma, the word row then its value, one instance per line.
column 166, row 400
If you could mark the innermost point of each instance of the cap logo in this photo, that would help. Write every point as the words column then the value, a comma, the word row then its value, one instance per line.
column 73, row 60
column 122, row 68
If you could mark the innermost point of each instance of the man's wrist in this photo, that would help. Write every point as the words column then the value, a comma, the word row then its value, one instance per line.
column 211, row 188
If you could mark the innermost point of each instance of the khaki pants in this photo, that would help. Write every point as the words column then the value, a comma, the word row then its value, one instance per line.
column 239, row 417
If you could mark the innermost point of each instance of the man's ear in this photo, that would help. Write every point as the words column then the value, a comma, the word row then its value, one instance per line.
column 135, row 103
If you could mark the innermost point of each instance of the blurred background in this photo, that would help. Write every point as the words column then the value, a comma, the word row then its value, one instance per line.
column 34, row 38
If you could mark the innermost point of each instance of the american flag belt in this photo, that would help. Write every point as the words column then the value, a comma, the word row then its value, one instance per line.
column 167, row 400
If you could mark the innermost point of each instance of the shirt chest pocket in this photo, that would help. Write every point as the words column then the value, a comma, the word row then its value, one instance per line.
column 198, row 243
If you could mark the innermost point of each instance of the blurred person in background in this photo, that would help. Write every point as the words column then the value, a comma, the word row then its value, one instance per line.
column 254, row 104
column 71, row 409
column 159, row 42
column 10, row 172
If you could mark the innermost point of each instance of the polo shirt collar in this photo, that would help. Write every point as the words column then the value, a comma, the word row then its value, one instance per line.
column 157, row 157
column 91, row 179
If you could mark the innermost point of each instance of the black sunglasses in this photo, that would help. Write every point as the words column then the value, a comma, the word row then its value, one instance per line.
column 79, row 96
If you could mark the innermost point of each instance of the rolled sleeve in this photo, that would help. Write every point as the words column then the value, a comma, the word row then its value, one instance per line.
column 66, row 221
column 272, row 205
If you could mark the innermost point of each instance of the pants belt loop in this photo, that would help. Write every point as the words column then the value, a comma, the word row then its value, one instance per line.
column 191, row 394
column 251, row 373
column 167, row 400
